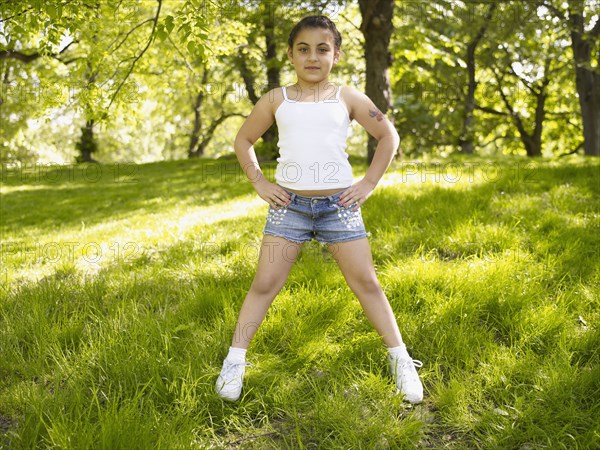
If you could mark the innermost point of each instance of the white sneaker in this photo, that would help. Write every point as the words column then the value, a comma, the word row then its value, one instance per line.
column 229, row 382
column 405, row 375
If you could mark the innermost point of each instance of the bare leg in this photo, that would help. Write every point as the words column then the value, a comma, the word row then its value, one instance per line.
column 277, row 256
column 356, row 263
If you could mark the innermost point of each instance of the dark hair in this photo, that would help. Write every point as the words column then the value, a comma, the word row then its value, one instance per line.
column 316, row 22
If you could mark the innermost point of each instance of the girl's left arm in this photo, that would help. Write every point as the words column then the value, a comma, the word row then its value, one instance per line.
column 377, row 125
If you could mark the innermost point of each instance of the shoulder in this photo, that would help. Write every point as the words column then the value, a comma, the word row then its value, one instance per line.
column 353, row 98
column 351, row 95
column 270, row 100
column 366, row 113
column 349, row 91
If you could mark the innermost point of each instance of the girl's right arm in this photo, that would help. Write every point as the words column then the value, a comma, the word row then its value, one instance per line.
column 259, row 121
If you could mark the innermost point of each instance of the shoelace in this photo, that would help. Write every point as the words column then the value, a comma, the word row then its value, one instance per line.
column 403, row 363
column 232, row 368
column 417, row 363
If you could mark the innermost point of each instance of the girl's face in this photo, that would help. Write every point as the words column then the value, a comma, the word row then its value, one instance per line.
column 313, row 54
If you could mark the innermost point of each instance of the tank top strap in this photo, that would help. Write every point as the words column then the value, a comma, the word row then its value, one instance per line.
column 337, row 96
column 284, row 93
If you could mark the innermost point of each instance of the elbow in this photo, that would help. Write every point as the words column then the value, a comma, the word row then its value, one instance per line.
column 396, row 146
column 395, row 141
column 239, row 138
column 241, row 143
column 390, row 142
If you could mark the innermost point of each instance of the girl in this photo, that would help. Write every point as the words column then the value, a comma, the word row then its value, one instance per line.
column 314, row 196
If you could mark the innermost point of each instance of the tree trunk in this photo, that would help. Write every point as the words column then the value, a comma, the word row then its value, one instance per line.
column 195, row 135
column 87, row 143
column 466, row 137
column 208, row 135
column 273, row 78
column 377, row 29
column 531, row 141
column 198, row 152
column 588, row 89
column 540, row 116
column 270, row 150
column 247, row 76
column 587, row 79
column 194, row 152
column 267, row 148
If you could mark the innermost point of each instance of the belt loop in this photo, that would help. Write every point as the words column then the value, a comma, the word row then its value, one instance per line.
column 292, row 196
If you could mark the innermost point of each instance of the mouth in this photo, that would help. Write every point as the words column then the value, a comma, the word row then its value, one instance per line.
column 312, row 68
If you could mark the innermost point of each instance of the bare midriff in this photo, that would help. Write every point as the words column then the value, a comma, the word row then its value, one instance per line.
column 316, row 193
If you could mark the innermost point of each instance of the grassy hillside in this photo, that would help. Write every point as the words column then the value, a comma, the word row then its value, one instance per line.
column 121, row 286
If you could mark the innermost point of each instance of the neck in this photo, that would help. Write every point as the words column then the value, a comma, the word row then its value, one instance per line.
column 320, row 86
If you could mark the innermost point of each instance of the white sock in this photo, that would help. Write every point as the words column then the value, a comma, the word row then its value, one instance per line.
column 236, row 354
column 398, row 351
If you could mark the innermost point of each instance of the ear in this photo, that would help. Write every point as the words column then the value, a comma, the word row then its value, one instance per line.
column 289, row 53
column 336, row 56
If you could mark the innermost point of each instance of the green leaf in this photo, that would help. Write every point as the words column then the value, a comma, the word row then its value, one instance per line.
column 169, row 24
column 184, row 37
column 51, row 11
column 191, row 46
column 17, row 29
column 160, row 32
column 185, row 28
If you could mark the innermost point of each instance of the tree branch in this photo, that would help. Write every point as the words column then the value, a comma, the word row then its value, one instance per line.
column 512, row 71
column 12, row 54
column 16, row 15
column 155, row 21
column 515, row 116
column 185, row 61
column 492, row 110
column 488, row 16
column 27, row 58
column 575, row 150
column 358, row 41
column 493, row 140
column 128, row 34
column 69, row 61
column 215, row 124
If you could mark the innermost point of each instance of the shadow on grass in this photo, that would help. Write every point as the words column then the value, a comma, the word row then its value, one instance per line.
column 61, row 198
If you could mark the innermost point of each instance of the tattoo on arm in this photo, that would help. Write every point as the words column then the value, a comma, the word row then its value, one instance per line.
column 377, row 114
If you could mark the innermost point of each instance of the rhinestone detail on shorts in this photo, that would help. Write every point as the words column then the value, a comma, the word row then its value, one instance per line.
column 351, row 219
column 275, row 216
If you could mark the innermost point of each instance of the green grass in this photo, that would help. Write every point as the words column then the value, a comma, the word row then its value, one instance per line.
column 121, row 288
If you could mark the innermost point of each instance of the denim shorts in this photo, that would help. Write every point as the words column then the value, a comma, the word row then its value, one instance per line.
column 320, row 218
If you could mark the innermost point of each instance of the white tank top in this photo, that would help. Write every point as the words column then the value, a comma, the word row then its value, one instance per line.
column 312, row 144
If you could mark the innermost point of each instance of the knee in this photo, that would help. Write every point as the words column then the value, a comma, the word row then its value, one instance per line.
column 368, row 285
column 267, row 286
